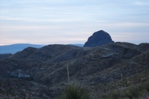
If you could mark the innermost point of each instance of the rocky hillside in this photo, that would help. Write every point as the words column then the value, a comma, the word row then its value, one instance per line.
column 41, row 73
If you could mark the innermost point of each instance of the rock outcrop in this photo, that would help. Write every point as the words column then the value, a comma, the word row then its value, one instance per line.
column 98, row 38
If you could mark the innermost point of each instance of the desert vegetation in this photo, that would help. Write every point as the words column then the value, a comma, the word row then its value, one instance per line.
column 74, row 91
column 140, row 91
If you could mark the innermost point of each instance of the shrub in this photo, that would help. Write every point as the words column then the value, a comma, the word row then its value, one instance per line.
column 137, row 91
column 74, row 92
column 132, row 92
column 115, row 94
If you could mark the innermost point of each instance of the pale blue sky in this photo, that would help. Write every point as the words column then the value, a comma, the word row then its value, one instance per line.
column 72, row 21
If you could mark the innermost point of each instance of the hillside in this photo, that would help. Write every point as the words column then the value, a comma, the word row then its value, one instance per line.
column 13, row 48
column 41, row 73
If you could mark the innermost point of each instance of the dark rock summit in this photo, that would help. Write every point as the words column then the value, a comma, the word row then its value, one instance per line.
column 98, row 38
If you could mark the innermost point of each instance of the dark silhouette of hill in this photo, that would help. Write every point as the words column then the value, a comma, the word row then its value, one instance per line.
column 98, row 38
column 52, row 53
column 13, row 48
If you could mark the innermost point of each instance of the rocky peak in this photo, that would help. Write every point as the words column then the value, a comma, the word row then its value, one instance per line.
column 98, row 38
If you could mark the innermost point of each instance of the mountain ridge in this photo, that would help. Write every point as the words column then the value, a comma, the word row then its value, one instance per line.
column 13, row 48
column 43, row 72
column 46, row 68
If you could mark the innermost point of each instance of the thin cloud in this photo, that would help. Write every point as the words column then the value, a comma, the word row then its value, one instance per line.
column 72, row 20
column 141, row 3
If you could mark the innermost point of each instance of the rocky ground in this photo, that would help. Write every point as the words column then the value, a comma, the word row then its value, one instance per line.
column 42, row 73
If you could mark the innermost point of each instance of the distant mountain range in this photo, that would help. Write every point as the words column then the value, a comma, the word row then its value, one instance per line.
column 97, row 39
column 13, row 48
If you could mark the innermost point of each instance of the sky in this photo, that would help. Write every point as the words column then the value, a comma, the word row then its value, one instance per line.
column 72, row 21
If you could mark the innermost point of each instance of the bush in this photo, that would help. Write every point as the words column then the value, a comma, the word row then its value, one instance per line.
column 115, row 94
column 132, row 92
column 74, row 92
column 137, row 91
